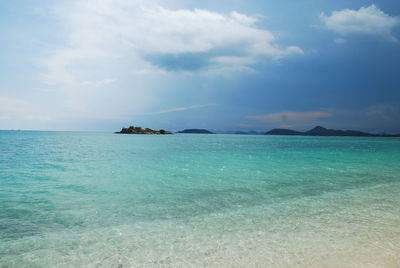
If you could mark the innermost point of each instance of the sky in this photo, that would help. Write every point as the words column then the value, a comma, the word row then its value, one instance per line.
column 100, row 65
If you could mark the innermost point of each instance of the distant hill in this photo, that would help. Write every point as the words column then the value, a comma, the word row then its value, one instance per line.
column 321, row 131
column 281, row 131
column 195, row 131
column 238, row 132
column 140, row 130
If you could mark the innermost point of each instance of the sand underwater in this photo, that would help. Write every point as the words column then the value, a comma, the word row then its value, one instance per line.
column 86, row 199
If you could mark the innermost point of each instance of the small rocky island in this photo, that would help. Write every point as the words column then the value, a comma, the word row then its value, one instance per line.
column 195, row 131
column 140, row 130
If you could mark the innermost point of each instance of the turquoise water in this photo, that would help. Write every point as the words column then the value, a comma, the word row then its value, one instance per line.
column 81, row 199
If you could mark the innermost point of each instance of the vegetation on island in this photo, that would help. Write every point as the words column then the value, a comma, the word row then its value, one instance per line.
column 316, row 131
column 140, row 130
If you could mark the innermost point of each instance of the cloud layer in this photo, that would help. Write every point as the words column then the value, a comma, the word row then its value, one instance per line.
column 17, row 109
column 181, row 109
column 367, row 20
column 144, row 36
column 291, row 117
column 385, row 112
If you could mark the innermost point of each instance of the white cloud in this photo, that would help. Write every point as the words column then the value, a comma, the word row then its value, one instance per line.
column 100, row 83
column 340, row 41
column 180, row 109
column 137, row 34
column 243, row 19
column 118, row 57
column 291, row 116
column 367, row 20
column 233, row 60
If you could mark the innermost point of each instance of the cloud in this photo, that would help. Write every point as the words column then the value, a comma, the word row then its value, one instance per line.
column 17, row 109
column 385, row 112
column 180, row 109
column 100, row 83
column 291, row 116
column 139, row 35
column 244, row 125
column 340, row 41
column 367, row 20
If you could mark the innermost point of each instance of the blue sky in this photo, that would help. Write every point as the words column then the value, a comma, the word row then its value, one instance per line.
column 222, row 65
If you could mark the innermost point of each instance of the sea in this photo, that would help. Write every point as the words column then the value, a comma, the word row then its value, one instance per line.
column 94, row 199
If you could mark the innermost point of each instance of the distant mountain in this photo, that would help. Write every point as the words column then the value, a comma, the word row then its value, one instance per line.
column 281, row 131
column 321, row 131
column 238, row 132
column 195, row 131
column 241, row 132
column 222, row 131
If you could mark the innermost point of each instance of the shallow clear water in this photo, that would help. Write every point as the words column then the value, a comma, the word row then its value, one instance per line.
column 72, row 199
